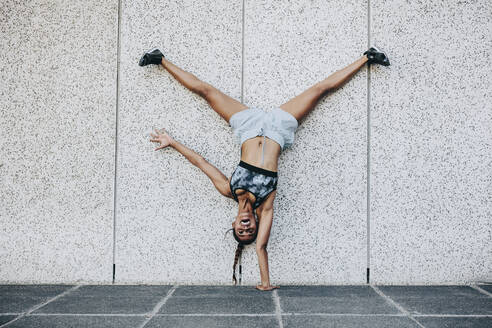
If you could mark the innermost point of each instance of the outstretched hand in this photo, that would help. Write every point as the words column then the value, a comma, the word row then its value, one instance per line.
column 261, row 287
column 161, row 137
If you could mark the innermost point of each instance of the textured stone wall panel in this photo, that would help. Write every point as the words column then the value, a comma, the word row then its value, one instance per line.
column 170, row 219
column 431, row 126
column 57, row 128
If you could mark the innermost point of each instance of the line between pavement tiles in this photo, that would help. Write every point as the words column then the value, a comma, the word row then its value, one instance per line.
column 278, row 309
column 398, row 306
column 158, row 306
column 35, row 307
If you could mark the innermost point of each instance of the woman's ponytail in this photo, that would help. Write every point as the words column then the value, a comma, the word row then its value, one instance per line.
column 239, row 250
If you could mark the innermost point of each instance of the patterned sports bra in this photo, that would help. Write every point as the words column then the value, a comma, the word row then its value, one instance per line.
column 258, row 181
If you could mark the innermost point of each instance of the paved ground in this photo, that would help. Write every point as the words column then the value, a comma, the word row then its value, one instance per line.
column 222, row 306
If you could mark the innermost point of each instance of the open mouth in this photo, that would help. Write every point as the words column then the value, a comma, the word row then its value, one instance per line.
column 245, row 222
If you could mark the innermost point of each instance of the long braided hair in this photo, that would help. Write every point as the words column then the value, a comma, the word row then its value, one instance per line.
column 239, row 251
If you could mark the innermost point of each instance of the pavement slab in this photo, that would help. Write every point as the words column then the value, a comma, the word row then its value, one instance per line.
column 347, row 305
column 20, row 298
column 440, row 299
column 100, row 305
column 216, row 305
column 45, row 291
column 347, row 322
column 119, row 299
column 76, row 322
column 212, row 322
column 455, row 322
column 327, row 291
column 219, row 300
column 6, row 318
column 334, row 299
column 219, row 291
column 122, row 291
column 18, row 304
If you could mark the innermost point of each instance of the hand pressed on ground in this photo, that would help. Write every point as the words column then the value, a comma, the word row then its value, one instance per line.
column 267, row 288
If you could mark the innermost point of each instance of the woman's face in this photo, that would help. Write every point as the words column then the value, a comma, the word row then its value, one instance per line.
column 245, row 225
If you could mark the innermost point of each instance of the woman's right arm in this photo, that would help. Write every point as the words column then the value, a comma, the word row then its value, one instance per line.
column 218, row 179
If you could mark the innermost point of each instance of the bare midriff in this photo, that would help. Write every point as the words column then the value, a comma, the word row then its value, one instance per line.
column 251, row 153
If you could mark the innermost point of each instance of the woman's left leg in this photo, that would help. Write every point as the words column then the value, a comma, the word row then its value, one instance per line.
column 224, row 105
column 301, row 105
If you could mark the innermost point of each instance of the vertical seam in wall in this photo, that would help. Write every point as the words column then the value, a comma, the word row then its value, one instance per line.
column 116, row 136
column 242, row 54
column 368, row 150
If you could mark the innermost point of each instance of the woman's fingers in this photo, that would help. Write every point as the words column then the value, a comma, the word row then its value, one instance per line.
column 159, row 136
column 261, row 287
column 159, row 131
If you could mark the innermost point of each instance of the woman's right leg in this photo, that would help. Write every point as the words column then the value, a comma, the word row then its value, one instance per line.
column 301, row 105
column 224, row 105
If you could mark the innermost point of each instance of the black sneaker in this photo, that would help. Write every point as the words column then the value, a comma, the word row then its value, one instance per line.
column 153, row 56
column 377, row 56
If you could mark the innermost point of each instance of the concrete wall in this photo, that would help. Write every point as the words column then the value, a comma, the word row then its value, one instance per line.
column 73, row 126
column 431, row 142
column 57, row 134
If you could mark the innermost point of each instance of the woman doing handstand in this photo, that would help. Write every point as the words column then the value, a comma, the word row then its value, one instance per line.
column 262, row 135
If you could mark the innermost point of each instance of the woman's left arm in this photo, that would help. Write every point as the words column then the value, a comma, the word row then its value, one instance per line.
column 265, row 217
column 218, row 179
